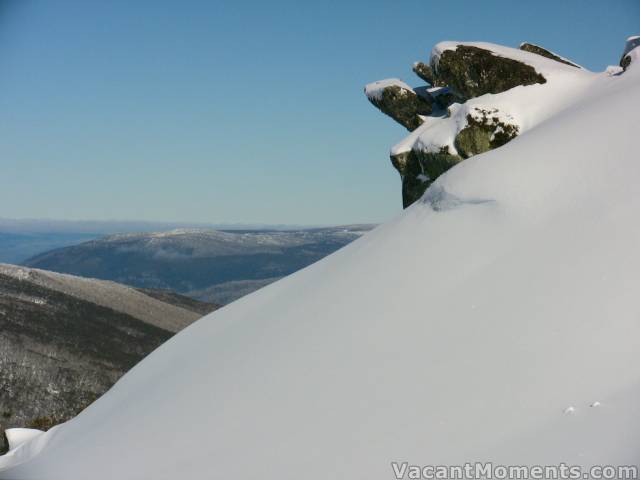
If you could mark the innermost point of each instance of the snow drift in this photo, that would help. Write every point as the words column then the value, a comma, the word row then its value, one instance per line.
column 494, row 320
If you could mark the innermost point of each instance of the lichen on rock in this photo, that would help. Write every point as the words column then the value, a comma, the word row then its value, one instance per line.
column 400, row 103
column 473, row 71
column 425, row 72
column 486, row 129
column 418, row 169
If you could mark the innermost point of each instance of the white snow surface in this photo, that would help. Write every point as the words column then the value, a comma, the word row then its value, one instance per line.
column 374, row 90
column 523, row 106
column 460, row 331
column 18, row 436
column 631, row 44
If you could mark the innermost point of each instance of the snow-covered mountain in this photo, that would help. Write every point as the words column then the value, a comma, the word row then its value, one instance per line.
column 495, row 319
column 209, row 265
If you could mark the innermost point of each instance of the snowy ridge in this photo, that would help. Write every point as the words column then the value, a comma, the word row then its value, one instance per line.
column 107, row 294
column 496, row 320
column 206, row 242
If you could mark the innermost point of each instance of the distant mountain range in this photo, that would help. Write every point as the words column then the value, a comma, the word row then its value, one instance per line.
column 65, row 340
column 21, row 239
column 216, row 266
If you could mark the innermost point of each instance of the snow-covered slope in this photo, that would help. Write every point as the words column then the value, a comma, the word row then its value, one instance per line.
column 481, row 324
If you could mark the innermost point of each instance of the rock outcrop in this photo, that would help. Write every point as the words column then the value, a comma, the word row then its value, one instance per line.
column 448, row 124
column 418, row 169
column 537, row 49
column 485, row 130
column 425, row 72
column 399, row 101
column 630, row 51
column 473, row 71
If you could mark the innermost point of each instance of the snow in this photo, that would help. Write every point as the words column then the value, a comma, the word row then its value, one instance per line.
column 459, row 331
column 18, row 436
column 631, row 44
column 634, row 55
column 614, row 69
column 523, row 106
column 374, row 90
column 553, row 53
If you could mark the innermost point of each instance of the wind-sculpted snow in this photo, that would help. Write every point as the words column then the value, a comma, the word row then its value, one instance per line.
column 484, row 332
column 439, row 199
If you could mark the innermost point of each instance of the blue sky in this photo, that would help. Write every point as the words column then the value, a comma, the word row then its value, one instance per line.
column 243, row 111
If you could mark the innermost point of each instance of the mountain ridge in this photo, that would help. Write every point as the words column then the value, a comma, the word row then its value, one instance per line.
column 191, row 261
column 64, row 340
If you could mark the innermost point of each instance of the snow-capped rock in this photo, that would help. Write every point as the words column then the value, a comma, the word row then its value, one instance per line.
column 631, row 51
column 395, row 98
column 484, row 95
column 473, row 70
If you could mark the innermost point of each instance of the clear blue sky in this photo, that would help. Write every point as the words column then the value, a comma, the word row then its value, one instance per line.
column 236, row 111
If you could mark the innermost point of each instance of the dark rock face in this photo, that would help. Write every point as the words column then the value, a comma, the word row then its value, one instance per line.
column 403, row 105
column 484, row 133
column 473, row 71
column 530, row 47
column 446, row 97
column 419, row 169
column 425, row 72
